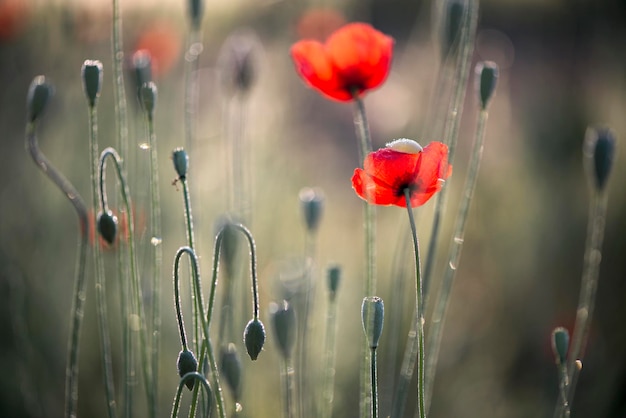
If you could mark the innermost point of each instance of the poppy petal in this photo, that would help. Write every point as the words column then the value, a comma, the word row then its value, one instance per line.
column 372, row 190
column 315, row 68
column 431, row 173
column 392, row 167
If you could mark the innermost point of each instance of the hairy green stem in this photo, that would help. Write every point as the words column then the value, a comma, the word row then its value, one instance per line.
column 328, row 386
column 200, row 378
column 374, row 382
column 78, row 300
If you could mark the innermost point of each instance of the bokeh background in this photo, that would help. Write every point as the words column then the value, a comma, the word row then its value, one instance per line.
column 562, row 68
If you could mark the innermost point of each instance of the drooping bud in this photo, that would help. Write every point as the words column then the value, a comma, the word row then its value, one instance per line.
column 231, row 368
column 38, row 94
column 486, row 80
column 312, row 200
column 107, row 226
column 372, row 311
column 231, row 242
column 181, row 162
column 560, row 345
column 284, row 323
column 334, row 278
column 148, row 96
column 187, row 363
column 599, row 152
column 92, row 80
column 254, row 338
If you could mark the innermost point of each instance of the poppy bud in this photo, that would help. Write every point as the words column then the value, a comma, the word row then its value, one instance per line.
column 599, row 151
column 181, row 162
column 408, row 146
column 148, row 96
column 231, row 241
column 107, row 226
column 38, row 94
column 312, row 206
column 372, row 310
column 454, row 12
column 92, row 80
column 187, row 363
column 560, row 345
column 284, row 322
column 230, row 366
column 238, row 61
column 254, row 338
column 142, row 67
column 196, row 8
column 486, row 80
column 334, row 277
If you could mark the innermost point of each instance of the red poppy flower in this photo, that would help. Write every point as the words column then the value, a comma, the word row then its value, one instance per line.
column 388, row 172
column 354, row 59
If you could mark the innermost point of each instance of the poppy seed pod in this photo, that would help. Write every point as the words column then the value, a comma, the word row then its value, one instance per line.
column 334, row 278
column 238, row 61
column 142, row 67
column 254, row 338
column 231, row 368
column 107, row 226
column 38, row 94
column 196, row 7
column 453, row 14
column 92, row 80
column 284, row 322
column 372, row 310
column 560, row 345
column 599, row 152
column 148, row 96
column 181, row 162
column 312, row 200
column 486, row 80
column 187, row 363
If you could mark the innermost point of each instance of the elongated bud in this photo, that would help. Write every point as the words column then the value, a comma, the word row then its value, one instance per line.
column 453, row 15
column 141, row 63
column 231, row 368
column 92, row 80
column 38, row 94
column 599, row 152
column 560, row 345
column 238, row 62
column 373, row 310
column 284, row 322
column 148, row 95
column 107, row 226
column 187, row 363
column 254, row 338
column 334, row 278
column 181, row 162
column 312, row 200
column 486, row 80
column 196, row 8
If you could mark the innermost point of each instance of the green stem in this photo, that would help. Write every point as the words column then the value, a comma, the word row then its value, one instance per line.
column 200, row 378
column 78, row 301
column 192, row 61
column 157, row 260
column 589, row 285
column 328, row 387
column 137, row 301
column 419, row 308
column 374, row 382
column 563, row 408
column 118, row 80
column 369, row 215
column 454, row 255
column 179, row 312
column 287, row 378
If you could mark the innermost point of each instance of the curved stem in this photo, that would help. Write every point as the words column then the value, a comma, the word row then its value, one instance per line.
column 188, row 376
column 137, row 301
column 419, row 309
column 179, row 313
column 78, row 301
column 454, row 255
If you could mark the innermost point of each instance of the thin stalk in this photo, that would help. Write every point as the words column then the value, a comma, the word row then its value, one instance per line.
column 563, row 408
column 419, row 308
column 369, row 215
column 374, row 382
column 454, row 255
column 589, row 285
column 287, row 377
column 157, row 260
column 136, row 300
column 78, row 300
column 194, row 48
column 328, row 386
column 200, row 378
column 119, row 95
column 451, row 130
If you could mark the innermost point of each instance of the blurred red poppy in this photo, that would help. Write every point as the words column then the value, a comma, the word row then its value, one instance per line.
column 354, row 59
column 163, row 43
column 388, row 172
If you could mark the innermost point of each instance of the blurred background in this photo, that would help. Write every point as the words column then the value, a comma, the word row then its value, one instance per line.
column 562, row 68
